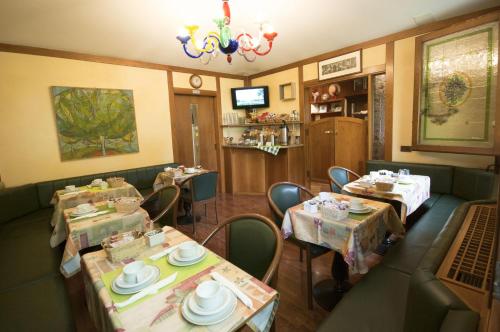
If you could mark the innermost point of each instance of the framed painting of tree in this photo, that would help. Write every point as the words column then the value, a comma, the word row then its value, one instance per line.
column 94, row 122
column 456, row 89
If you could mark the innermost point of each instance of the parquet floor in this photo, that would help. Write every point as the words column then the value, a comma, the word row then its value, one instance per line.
column 293, row 314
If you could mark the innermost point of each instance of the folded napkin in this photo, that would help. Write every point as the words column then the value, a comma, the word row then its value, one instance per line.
column 233, row 288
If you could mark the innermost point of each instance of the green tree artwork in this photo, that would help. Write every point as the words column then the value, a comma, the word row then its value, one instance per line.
column 94, row 122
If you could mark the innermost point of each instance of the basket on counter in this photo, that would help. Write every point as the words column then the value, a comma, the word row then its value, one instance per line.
column 127, row 204
column 116, row 182
column 124, row 245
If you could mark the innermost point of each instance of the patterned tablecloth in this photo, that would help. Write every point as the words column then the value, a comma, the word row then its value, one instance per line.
column 63, row 201
column 412, row 192
column 161, row 311
column 88, row 232
column 354, row 237
column 166, row 179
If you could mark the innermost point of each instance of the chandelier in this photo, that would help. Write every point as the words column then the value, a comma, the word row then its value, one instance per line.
column 224, row 41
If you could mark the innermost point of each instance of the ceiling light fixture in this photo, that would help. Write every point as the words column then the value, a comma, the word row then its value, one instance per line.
column 223, row 40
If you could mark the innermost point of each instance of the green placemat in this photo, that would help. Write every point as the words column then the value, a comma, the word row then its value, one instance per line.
column 99, row 209
column 360, row 216
column 166, row 270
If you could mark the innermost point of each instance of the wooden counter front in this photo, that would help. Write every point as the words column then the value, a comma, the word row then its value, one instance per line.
column 252, row 171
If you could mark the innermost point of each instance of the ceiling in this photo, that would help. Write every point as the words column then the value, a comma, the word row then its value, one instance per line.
column 146, row 29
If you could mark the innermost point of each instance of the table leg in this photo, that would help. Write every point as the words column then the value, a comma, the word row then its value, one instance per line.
column 329, row 292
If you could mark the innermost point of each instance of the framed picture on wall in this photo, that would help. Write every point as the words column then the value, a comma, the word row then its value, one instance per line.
column 341, row 65
column 456, row 88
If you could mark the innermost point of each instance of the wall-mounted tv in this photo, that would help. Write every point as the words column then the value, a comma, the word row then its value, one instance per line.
column 252, row 97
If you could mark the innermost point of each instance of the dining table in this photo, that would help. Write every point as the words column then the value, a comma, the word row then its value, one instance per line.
column 161, row 311
column 63, row 200
column 89, row 230
column 352, row 239
column 411, row 191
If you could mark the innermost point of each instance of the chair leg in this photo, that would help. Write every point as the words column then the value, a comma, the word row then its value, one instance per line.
column 309, row 279
column 301, row 258
column 216, row 216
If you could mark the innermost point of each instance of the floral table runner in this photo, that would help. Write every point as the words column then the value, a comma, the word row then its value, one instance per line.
column 412, row 192
column 354, row 237
column 166, row 179
column 88, row 232
column 85, row 194
column 161, row 311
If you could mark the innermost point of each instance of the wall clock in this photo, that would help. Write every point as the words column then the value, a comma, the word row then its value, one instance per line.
column 195, row 81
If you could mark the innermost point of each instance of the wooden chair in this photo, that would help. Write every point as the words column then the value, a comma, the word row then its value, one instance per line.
column 281, row 196
column 203, row 189
column 340, row 176
column 161, row 205
column 254, row 244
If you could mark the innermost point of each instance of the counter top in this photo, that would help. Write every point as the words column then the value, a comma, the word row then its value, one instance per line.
column 241, row 146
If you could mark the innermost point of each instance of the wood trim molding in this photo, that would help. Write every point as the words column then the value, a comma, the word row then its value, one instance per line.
column 108, row 60
column 389, row 100
column 171, row 103
column 423, row 29
column 195, row 92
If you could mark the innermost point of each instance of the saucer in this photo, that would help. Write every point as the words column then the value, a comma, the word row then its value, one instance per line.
column 175, row 262
column 150, row 272
column 199, row 252
column 366, row 209
column 78, row 214
column 127, row 291
column 195, row 308
column 196, row 319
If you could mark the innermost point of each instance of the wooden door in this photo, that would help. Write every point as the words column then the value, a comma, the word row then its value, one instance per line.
column 351, row 143
column 194, row 131
column 321, row 148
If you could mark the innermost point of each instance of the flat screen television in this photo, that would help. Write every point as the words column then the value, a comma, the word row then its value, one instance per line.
column 252, row 97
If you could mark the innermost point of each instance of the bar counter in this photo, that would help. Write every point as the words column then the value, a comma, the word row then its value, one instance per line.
column 251, row 171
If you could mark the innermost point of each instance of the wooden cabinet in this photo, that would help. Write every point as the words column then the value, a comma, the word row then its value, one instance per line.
column 339, row 141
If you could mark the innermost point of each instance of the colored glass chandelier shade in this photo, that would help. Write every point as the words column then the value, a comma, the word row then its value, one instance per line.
column 223, row 41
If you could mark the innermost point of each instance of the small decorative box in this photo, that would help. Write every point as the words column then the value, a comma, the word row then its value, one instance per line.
column 335, row 211
column 154, row 238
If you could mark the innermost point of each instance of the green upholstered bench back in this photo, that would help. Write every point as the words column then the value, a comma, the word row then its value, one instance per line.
column 431, row 306
column 472, row 184
column 441, row 175
column 141, row 178
column 18, row 201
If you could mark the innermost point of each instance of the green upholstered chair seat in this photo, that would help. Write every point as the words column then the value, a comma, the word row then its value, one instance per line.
column 18, row 201
column 376, row 303
column 25, row 251
column 252, row 245
column 41, row 305
column 429, row 203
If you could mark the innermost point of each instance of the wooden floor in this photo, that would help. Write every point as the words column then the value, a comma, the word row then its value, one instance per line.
column 293, row 314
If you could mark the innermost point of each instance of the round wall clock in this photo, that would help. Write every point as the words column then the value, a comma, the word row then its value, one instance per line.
column 195, row 81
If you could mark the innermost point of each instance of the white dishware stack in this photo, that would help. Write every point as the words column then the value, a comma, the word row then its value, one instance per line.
column 135, row 277
column 187, row 253
column 357, row 205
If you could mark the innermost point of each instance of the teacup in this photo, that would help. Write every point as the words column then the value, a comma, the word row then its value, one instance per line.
column 187, row 249
column 85, row 207
column 190, row 170
column 70, row 188
column 134, row 272
column 208, row 295
column 357, row 203
column 324, row 196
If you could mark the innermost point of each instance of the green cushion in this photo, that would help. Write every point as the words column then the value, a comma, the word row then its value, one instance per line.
column 284, row 196
column 429, row 203
column 341, row 176
column 25, row 250
column 17, row 201
column 376, row 303
column 441, row 175
column 429, row 302
column 38, row 306
column 459, row 321
column 204, row 186
column 252, row 245
column 407, row 253
column 473, row 184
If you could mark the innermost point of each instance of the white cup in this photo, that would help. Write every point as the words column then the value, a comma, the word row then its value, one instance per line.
column 70, row 188
column 208, row 295
column 133, row 273
column 190, row 170
column 84, row 207
column 187, row 249
column 357, row 203
column 324, row 196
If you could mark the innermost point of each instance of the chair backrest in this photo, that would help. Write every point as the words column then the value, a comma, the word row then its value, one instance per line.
column 204, row 186
column 161, row 205
column 254, row 244
column 339, row 176
column 284, row 195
